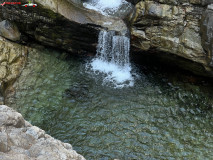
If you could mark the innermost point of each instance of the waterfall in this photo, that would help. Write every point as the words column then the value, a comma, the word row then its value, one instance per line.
column 113, row 49
column 109, row 7
column 113, row 59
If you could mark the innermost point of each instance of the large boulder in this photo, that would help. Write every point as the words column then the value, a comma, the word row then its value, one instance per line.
column 9, row 30
column 19, row 140
column 165, row 27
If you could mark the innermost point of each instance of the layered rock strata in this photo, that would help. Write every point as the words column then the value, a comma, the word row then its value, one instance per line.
column 60, row 23
column 173, row 27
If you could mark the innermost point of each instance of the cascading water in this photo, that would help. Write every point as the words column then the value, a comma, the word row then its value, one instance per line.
column 113, row 47
column 109, row 7
column 113, row 59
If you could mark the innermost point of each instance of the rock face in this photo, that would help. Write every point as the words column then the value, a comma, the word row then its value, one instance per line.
column 207, row 32
column 162, row 27
column 12, row 60
column 9, row 31
column 60, row 23
column 19, row 140
column 172, row 27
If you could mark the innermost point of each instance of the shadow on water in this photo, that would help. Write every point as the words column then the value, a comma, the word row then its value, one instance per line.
column 166, row 115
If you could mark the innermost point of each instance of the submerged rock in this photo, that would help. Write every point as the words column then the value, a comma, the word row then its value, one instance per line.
column 9, row 30
column 20, row 140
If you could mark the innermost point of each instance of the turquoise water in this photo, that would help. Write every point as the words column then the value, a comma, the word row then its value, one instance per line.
column 158, row 118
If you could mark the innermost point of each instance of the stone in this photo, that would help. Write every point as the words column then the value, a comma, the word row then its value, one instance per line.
column 9, row 30
column 207, row 34
column 3, row 72
column 206, row 2
column 81, row 26
column 20, row 140
column 4, row 146
column 175, row 30
column 4, row 156
column 133, row 1
column 12, row 60
column 9, row 117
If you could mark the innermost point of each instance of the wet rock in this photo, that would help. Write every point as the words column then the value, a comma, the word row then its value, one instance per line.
column 29, row 142
column 9, row 30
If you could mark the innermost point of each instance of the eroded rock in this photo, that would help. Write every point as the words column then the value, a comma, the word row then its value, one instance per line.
column 20, row 140
column 12, row 60
column 172, row 27
column 62, row 24
column 9, row 30
column 207, row 32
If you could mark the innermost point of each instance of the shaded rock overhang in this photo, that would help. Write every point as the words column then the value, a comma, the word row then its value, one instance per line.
column 60, row 23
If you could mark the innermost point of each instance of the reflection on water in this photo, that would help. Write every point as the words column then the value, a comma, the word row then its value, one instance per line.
column 155, row 119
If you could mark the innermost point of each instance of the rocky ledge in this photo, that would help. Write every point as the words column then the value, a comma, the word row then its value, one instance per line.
column 175, row 29
column 19, row 140
column 62, row 24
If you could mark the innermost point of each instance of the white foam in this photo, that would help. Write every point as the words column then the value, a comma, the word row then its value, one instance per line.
column 105, row 6
column 112, row 4
column 119, row 76
column 112, row 59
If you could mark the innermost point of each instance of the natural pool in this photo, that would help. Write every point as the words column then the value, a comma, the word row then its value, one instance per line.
column 157, row 118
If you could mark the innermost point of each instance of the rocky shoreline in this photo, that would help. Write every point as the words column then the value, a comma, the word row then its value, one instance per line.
column 21, row 141
column 18, row 138
column 175, row 29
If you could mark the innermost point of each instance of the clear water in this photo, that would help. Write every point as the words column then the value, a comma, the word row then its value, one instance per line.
column 158, row 118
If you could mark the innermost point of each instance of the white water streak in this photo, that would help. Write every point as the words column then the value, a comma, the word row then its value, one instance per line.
column 113, row 59
column 105, row 6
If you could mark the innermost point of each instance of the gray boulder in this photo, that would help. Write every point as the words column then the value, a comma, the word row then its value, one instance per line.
column 19, row 140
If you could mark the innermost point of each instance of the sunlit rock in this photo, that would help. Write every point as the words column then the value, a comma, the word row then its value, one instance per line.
column 20, row 140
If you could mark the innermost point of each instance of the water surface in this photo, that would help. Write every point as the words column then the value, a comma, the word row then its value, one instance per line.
column 157, row 118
